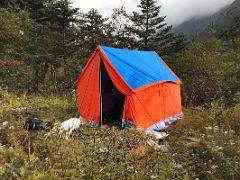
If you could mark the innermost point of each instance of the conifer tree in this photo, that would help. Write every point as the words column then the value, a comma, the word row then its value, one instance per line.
column 63, row 19
column 92, row 28
column 150, row 29
column 120, row 24
column 231, row 33
column 13, row 4
column 64, row 15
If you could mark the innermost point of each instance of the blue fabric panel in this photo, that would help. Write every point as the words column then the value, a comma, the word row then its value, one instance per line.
column 139, row 68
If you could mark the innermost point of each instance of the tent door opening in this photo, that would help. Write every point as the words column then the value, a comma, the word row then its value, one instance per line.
column 111, row 98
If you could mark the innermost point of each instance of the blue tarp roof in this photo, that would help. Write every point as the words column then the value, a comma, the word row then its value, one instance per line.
column 139, row 68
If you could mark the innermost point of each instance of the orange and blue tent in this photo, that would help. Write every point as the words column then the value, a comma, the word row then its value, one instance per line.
column 151, row 89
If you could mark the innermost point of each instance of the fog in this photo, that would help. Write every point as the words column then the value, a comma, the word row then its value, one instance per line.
column 177, row 11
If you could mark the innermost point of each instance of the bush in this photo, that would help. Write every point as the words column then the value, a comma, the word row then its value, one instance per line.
column 209, row 73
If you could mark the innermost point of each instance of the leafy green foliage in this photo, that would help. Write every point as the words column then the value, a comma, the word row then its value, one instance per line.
column 13, row 4
column 209, row 73
column 44, row 44
column 231, row 33
column 63, row 19
column 12, row 33
column 92, row 28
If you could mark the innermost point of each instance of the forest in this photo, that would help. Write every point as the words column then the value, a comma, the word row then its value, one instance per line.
column 44, row 46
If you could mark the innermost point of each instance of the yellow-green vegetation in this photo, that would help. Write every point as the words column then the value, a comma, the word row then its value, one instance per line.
column 205, row 144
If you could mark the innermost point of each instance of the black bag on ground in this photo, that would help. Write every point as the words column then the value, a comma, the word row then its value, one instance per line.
column 37, row 124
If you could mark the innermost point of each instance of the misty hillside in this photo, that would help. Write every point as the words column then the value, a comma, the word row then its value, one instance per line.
column 195, row 25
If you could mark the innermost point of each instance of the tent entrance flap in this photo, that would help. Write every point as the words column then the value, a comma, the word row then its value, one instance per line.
column 112, row 98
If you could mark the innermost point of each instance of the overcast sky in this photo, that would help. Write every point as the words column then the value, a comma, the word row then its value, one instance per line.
column 177, row 11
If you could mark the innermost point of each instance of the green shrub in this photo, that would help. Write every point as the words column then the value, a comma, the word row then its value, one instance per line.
column 209, row 73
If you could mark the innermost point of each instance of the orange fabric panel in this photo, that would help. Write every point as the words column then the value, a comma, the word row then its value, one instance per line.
column 88, row 91
column 172, row 99
column 154, row 104
column 129, row 112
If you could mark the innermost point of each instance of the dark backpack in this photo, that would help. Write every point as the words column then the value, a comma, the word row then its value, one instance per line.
column 37, row 124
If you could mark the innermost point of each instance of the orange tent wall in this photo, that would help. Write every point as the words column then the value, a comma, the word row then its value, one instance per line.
column 154, row 104
column 88, row 90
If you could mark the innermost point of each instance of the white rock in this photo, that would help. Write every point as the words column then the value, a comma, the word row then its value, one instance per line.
column 2, row 148
column 156, row 146
column 152, row 143
column 5, row 124
column 157, row 135
column 192, row 139
column 208, row 128
column 154, row 176
column 103, row 149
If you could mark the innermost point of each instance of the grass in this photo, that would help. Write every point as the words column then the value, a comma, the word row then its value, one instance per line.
column 205, row 145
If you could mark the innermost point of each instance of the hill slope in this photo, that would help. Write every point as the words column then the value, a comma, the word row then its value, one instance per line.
column 195, row 25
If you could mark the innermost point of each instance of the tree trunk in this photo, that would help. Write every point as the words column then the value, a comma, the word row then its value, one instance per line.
column 146, row 33
column 35, row 86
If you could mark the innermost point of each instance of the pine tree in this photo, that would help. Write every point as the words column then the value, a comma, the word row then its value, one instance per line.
column 51, row 38
column 64, row 15
column 230, row 34
column 14, row 74
column 13, row 4
column 120, row 23
column 93, row 29
column 63, row 18
column 150, row 29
